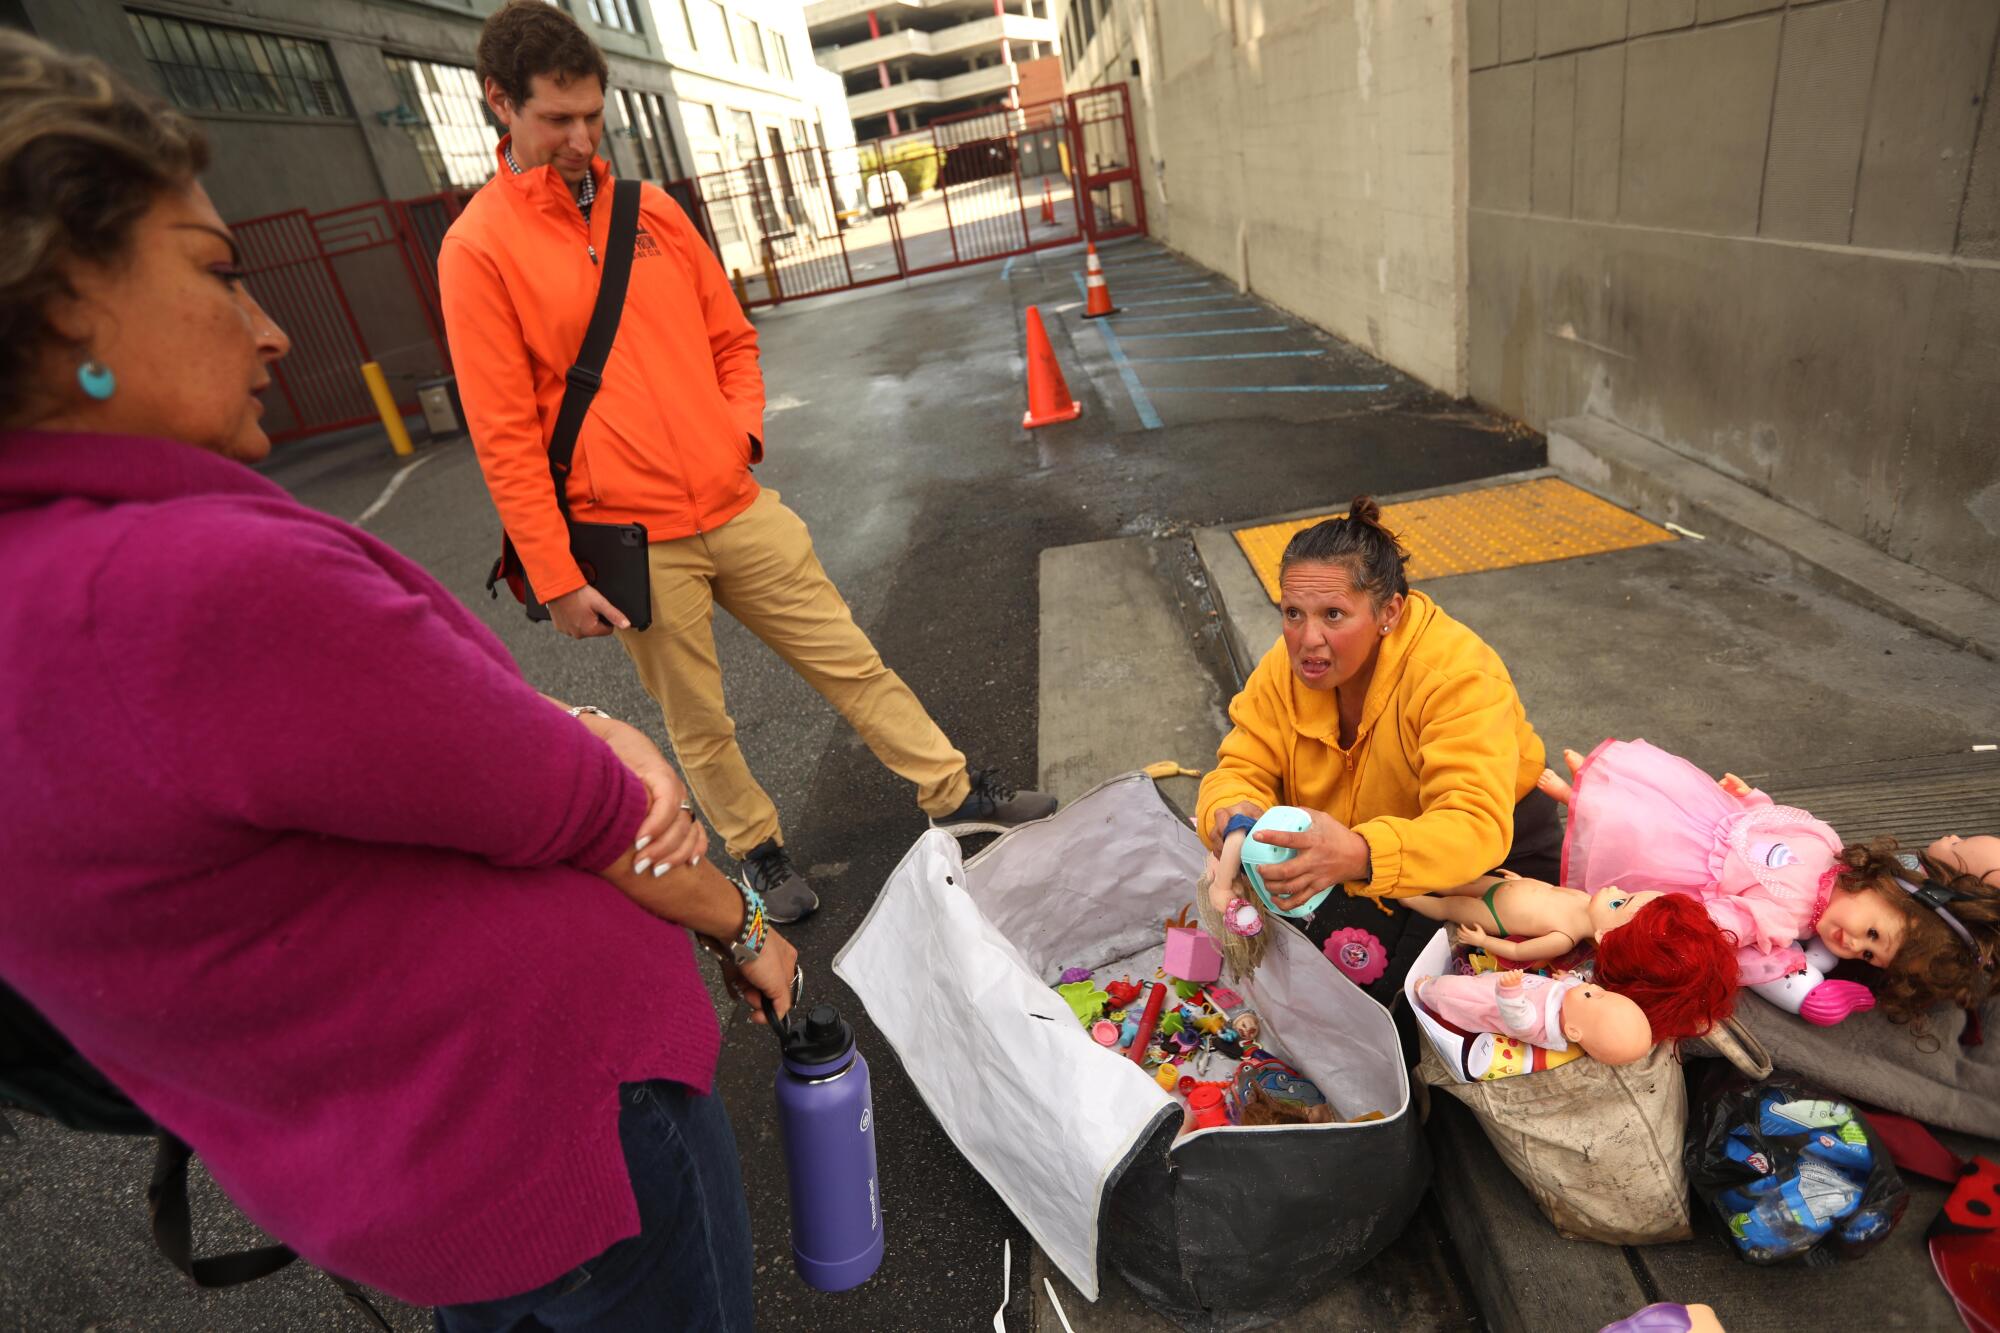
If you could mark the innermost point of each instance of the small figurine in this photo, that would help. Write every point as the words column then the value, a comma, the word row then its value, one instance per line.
column 1120, row 994
column 1668, row 1318
column 1084, row 1000
column 1543, row 1012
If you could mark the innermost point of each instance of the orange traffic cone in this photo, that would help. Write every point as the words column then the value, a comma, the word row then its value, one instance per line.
column 1048, row 204
column 1048, row 396
column 1099, row 294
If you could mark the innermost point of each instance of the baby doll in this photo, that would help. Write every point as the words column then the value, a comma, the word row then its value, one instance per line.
column 1547, row 921
column 1769, row 875
column 1543, row 1012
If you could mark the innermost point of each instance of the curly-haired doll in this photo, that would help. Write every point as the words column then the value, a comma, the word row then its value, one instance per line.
column 1936, row 935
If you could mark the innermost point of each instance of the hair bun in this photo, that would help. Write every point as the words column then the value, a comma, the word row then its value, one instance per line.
column 1364, row 510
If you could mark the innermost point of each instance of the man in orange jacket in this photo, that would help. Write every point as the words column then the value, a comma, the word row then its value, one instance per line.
column 669, row 442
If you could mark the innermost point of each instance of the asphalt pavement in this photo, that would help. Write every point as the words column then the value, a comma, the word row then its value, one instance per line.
column 894, row 430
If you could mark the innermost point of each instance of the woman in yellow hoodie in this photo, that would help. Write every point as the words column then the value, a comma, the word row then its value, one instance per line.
column 1396, row 726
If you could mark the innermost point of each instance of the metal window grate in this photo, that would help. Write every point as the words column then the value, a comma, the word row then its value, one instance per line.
column 448, row 123
column 207, row 67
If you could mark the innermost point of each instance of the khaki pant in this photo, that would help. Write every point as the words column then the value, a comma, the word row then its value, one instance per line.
column 760, row 567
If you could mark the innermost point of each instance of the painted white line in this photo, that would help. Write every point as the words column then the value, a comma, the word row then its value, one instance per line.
column 1685, row 532
column 389, row 491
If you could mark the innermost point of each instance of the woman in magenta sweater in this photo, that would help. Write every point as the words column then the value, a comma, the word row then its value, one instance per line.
column 294, row 855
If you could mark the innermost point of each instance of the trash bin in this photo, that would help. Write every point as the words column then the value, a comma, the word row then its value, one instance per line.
column 443, row 413
column 1224, row 1228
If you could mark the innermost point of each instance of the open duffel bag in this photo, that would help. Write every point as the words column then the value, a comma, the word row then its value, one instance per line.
column 1226, row 1228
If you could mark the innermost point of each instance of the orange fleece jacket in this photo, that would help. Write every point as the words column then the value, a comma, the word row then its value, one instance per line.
column 1443, row 752
column 672, row 433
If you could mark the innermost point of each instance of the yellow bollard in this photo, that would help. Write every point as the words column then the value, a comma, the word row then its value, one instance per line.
column 385, row 403
column 742, row 288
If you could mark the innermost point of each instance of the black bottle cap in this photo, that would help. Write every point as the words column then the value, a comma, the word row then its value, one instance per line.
column 817, row 1036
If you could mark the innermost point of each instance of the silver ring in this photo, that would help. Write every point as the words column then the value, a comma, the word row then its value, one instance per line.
column 798, row 983
column 688, row 806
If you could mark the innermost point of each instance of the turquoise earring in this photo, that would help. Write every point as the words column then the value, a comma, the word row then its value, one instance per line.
column 97, row 380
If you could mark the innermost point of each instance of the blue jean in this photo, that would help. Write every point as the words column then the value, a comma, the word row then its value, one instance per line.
column 689, row 1266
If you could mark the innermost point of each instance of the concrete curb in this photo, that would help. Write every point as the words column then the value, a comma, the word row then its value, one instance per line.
column 1645, row 476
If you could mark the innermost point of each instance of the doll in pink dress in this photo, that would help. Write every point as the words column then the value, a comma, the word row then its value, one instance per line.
column 1643, row 819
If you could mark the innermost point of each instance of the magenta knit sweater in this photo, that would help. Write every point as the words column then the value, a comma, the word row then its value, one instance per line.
column 296, row 857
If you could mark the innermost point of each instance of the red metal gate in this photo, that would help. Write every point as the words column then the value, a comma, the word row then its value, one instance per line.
column 351, row 285
column 969, row 188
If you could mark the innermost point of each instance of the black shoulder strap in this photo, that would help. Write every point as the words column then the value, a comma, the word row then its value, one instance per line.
column 167, row 1204
column 588, row 373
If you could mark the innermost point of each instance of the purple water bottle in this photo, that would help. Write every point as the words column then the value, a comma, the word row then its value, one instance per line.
column 827, row 1118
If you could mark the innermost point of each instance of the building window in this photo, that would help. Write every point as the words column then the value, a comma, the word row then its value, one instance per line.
column 744, row 126
column 711, row 28
column 749, row 46
column 781, row 55
column 687, row 21
column 701, row 119
column 446, row 119
column 619, row 14
column 207, row 67
column 646, row 122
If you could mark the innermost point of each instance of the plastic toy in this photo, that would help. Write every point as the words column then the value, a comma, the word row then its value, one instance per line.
column 1357, row 953
column 1543, row 1012
column 1668, row 1318
column 1128, row 1032
column 1120, row 994
column 1210, row 1108
column 1168, row 1077
column 1084, row 1000
column 1267, row 1078
column 1147, row 1022
column 1104, row 1032
column 1191, row 955
column 1257, row 854
column 1171, row 1024
column 1075, row 974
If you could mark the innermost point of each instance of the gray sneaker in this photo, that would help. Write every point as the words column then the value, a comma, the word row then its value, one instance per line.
column 787, row 894
column 994, row 807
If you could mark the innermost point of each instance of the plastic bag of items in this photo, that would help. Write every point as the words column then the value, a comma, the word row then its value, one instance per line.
column 1784, row 1170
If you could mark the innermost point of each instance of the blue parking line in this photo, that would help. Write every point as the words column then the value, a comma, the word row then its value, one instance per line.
column 1270, row 388
column 1184, row 300
column 1168, row 286
column 1147, row 416
column 1227, row 356
column 1144, row 405
column 1007, row 267
column 1209, row 333
column 1195, row 314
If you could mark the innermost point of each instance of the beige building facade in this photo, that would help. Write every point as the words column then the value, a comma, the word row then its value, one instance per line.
column 1764, row 233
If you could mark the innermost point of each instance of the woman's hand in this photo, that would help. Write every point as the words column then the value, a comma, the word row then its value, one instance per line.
column 1329, row 853
column 1229, row 812
column 670, row 835
column 770, row 975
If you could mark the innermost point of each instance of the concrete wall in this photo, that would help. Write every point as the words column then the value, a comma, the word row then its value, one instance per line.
column 1311, row 149
column 1766, row 235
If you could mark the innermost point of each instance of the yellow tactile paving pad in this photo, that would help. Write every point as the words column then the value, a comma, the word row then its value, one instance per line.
column 1468, row 532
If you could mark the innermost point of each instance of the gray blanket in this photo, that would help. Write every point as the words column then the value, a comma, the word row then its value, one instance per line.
column 1930, row 1078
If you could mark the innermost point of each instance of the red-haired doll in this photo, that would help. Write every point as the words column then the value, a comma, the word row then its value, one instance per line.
column 1659, row 950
